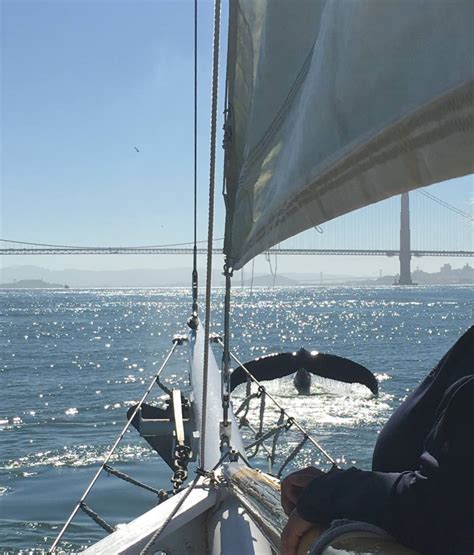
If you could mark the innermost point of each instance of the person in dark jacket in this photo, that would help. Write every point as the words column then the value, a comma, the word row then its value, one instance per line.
column 421, row 487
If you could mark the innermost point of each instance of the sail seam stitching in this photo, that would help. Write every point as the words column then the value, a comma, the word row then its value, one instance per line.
column 277, row 122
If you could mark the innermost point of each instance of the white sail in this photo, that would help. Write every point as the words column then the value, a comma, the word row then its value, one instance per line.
column 337, row 104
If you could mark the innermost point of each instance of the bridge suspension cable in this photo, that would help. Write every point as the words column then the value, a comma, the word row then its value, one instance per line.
column 349, row 231
column 445, row 204
column 170, row 245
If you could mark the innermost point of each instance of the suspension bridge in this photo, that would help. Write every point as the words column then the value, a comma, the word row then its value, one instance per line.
column 189, row 250
column 445, row 230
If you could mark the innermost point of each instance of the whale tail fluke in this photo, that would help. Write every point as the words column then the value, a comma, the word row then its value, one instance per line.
column 279, row 365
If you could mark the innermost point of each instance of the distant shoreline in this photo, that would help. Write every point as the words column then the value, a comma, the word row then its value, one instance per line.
column 365, row 285
column 35, row 277
column 33, row 284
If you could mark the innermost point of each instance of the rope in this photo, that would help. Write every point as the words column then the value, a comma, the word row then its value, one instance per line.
column 163, row 387
column 199, row 474
column 275, row 438
column 212, row 168
column 292, row 455
column 266, row 435
column 260, row 444
column 259, row 436
column 162, row 494
column 262, row 410
column 96, row 518
column 107, row 458
column 155, row 536
column 245, row 404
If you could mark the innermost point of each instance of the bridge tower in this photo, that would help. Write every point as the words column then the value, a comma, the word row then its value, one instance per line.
column 405, row 249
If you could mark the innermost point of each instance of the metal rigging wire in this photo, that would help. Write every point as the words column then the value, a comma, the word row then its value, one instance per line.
column 281, row 408
column 195, row 272
column 110, row 453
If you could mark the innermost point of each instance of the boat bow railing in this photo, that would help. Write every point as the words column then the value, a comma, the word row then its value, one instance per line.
column 161, row 494
column 284, row 423
column 260, row 442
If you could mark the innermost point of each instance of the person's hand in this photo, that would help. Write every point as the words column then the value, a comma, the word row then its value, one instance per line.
column 293, row 485
column 295, row 529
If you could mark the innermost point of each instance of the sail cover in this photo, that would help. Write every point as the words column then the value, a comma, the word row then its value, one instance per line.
column 336, row 104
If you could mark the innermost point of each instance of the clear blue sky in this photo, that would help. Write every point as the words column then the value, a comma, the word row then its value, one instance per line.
column 84, row 82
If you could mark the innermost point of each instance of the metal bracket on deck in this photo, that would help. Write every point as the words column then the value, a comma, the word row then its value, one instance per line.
column 166, row 429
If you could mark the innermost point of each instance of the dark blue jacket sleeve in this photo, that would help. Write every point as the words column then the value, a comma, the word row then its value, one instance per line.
column 352, row 493
column 402, row 440
column 430, row 509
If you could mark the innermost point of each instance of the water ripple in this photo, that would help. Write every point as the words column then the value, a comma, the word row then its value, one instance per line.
column 72, row 362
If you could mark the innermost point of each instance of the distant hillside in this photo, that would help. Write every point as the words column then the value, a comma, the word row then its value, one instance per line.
column 139, row 277
column 33, row 284
column 269, row 281
column 39, row 277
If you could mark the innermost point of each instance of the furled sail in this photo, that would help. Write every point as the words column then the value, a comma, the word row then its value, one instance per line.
column 334, row 105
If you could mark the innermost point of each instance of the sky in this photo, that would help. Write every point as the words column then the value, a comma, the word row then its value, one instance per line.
column 85, row 82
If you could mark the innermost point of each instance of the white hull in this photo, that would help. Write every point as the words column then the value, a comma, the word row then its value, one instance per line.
column 209, row 521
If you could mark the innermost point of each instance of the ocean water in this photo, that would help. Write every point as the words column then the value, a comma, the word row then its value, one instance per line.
column 73, row 361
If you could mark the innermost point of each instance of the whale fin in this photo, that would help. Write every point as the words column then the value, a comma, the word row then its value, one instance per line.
column 338, row 368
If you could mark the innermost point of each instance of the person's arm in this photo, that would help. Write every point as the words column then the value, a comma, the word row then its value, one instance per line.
column 424, row 508
column 295, row 530
column 309, row 497
column 294, row 484
column 352, row 493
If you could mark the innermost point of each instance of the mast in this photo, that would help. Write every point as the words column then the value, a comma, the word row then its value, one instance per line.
column 405, row 248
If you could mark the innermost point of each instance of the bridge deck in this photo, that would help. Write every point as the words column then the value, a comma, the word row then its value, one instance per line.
column 161, row 251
